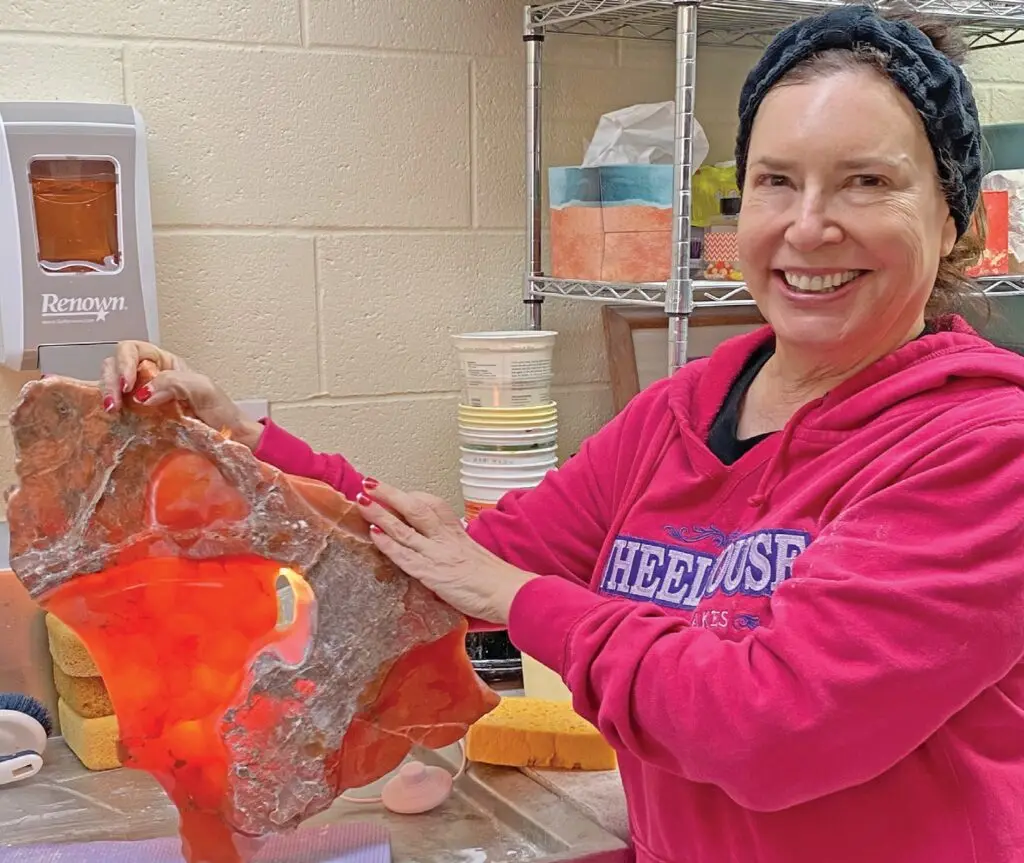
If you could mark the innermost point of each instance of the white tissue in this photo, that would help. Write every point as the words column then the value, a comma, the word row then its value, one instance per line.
column 641, row 135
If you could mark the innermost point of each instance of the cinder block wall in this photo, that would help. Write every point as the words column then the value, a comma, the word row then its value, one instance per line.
column 337, row 187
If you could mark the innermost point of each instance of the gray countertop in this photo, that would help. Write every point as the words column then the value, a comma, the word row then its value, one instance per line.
column 495, row 814
column 598, row 794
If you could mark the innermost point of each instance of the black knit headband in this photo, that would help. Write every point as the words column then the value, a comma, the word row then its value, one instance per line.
column 934, row 84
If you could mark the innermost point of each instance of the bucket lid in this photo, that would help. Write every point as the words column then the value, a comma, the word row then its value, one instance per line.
column 515, row 437
column 509, row 428
column 500, row 471
column 500, row 481
column 532, row 454
column 512, row 411
column 497, row 416
column 503, row 335
column 512, row 426
column 501, row 434
column 488, row 471
column 499, row 485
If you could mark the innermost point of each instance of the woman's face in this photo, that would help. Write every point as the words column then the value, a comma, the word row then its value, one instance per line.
column 843, row 221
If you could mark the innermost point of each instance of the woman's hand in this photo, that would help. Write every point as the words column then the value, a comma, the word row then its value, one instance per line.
column 173, row 382
column 424, row 538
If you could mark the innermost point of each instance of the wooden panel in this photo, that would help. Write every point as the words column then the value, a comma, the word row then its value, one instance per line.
column 636, row 342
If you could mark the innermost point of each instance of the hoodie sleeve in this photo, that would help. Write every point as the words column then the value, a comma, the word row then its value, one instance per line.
column 904, row 609
column 293, row 455
column 557, row 528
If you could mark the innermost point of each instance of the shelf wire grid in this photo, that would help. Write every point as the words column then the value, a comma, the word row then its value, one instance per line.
column 707, row 294
column 753, row 23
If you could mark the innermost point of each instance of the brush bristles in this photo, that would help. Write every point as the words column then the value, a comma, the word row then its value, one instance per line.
column 29, row 706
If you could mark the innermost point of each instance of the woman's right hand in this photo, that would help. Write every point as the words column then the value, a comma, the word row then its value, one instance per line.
column 174, row 381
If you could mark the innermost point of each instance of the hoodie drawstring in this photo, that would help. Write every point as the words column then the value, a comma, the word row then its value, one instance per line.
column 762, row 494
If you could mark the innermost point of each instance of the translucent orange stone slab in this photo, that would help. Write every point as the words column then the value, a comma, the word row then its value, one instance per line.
column 163, row 545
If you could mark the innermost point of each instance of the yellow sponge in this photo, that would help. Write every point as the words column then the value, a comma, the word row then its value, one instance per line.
column 67, row 650
column 532, row 732
column 87, row 696
column 94, row 741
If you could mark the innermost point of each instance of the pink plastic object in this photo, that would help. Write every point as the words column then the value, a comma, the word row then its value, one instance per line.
column 416, row 788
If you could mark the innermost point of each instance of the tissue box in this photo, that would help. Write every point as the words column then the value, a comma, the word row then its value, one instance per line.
column 995, row 257
column 612, row 223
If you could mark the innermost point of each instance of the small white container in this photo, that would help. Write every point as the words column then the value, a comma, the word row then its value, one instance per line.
column 506, row 369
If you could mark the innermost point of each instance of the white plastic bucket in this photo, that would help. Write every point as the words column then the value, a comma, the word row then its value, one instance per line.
column 540, row 456
column 482, row 493
column 491, row 492
column 504, row 475
column 509, row 443
column 502, row 472
column 550, row 407
column 512, row 415
column 480, row 496
column 473, row 508
column 506, row 429
column 512, row 425
column 509, row 425
column 523, row 446
column 506, row 369
column 508, row 434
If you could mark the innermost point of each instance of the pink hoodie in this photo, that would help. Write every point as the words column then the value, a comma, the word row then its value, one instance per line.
column 811, row 656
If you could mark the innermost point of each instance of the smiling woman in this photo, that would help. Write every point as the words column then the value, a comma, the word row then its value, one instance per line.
column 785, row 583
column 854, row 242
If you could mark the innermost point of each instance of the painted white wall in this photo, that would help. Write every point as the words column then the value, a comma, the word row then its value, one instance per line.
column 338, row 186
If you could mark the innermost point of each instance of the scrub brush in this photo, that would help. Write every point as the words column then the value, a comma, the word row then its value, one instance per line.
column 24, row 726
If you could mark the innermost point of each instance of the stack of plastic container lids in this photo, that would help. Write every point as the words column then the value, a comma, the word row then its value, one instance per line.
column 508, row 422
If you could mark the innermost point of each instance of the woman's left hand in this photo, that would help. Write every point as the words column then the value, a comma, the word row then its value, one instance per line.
column 423, row 537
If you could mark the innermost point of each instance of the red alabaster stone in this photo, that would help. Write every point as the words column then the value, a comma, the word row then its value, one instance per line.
column 164, row 544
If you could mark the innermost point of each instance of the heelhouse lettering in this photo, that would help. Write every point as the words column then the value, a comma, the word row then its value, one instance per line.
column 84, row 308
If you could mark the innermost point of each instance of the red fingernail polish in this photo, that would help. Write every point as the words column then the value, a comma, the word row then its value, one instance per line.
column 108, row 403
column 124, row 384
column 143, row 394
column 375, row 529
column 363, row 500
column 370, row 483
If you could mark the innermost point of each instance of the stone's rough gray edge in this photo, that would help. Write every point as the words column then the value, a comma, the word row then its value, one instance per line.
column 367, row 613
